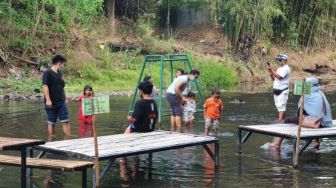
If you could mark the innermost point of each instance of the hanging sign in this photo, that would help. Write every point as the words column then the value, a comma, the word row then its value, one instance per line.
column 302, row 88
column 96, row 105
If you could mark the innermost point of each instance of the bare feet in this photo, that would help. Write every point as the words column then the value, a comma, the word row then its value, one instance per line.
column 273, row 145
column 316, row 146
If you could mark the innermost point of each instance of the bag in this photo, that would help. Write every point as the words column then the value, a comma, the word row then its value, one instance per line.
column 279, row 91
column 313, row 122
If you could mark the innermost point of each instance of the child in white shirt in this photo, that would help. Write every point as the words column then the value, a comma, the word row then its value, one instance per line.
column 189, row 109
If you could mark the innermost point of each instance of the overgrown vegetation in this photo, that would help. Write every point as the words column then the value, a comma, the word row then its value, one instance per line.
column 20, row 86
column 121, row 72
column 32, row 31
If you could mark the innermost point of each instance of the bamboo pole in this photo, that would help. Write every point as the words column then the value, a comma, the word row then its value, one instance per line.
column 297, row 152
column 95, row 141
column 96, row 162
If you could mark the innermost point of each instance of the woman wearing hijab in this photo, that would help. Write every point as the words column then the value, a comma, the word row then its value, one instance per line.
column 315, row 104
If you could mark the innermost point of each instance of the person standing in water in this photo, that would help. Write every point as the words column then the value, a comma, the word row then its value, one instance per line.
column 85, row 123
column 176, row 99
column 281, row 80
column 56, row 104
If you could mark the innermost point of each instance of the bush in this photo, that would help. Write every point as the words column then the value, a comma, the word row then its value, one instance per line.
column 215, row 74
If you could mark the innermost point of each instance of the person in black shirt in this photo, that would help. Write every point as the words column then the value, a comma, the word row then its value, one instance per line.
column 145, row 113
column 56, row 104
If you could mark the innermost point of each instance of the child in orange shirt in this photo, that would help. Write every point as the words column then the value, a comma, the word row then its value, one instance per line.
column 212, row 112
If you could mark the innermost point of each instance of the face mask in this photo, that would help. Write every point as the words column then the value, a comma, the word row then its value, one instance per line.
column 281, row 62
column 61, row 70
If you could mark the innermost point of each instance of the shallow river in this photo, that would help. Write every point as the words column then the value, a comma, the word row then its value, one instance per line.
column 190, row 167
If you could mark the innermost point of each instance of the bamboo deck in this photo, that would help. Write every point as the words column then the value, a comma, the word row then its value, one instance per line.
column 120, row 145
column 290, row 131
column 15, row 143
column 63, row 165
column 124, row 145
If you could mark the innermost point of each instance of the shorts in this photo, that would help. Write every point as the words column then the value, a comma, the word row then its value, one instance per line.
column 188, row 115
column 280, row 101
column 175, row 105
column 58, row 111
column 212, row 124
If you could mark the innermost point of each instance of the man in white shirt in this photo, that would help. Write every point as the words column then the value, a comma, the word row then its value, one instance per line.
column 280, row 89
column 280, row 84
column 176, row 99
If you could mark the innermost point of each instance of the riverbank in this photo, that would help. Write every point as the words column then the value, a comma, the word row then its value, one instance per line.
column 112, row 63
column 249, row 88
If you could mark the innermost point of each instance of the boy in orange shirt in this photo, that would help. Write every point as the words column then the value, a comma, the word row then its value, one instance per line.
column 212, row 112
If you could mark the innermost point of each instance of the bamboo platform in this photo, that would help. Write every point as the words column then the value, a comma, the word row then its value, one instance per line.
column 20, row 144
column 50, row 164
column 7, row 143
column 124, row 145
column 62, row 165
column 288, row 131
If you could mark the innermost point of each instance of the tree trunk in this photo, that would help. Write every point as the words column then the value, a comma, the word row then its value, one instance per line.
column 168, row 19
column 57, row 14
column 110, row 8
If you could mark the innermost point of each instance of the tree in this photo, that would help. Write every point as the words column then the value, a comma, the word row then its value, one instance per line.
column 110, row 12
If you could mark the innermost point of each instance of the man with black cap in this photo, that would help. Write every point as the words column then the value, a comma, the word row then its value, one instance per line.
column 280, row 85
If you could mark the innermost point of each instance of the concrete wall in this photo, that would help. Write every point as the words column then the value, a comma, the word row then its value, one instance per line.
column 192, row 17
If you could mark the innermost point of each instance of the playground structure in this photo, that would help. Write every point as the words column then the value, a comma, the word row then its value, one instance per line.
column 167, row 68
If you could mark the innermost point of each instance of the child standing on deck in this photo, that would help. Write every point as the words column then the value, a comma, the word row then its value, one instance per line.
column 212, row 112
column 189, row 109
column 85, row 128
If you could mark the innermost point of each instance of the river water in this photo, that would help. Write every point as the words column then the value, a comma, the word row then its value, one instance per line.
column 190, row 167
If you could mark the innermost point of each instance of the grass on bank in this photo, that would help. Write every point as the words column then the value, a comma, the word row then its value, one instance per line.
column 120, row 72
column 25, row 86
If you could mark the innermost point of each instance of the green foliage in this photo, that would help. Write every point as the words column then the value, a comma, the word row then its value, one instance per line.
column 22, row 86
column 297, row 23
column 243, row 19
column 120, row 72
column 215, row 74
column 27, row 21
column 116, row 71
column 143, row 27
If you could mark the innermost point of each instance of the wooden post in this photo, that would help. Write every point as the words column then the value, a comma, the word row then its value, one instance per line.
column 95, row 141
column 110, row 8
column 297, row 149
column 23, row 167
column 96, row 162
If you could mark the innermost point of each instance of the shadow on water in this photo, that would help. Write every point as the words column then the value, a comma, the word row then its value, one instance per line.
column 189, row 167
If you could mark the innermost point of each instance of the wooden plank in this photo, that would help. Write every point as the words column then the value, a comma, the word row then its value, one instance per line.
column 117, row 148
column 63, row 165
column 7, row 143
column 289, row 130
column 114, row 145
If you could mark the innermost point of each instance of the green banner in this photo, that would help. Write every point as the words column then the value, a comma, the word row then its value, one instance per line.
column 96, row 105
column 302, row 89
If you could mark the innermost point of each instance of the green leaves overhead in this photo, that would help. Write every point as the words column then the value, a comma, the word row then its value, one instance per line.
column 298, row 23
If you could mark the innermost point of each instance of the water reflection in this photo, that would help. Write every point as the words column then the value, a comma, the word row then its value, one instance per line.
column 209, row 167
column 189, row 167
column 130, row 174
column 85, row 130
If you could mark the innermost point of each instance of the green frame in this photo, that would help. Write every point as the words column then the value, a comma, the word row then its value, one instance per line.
column 161, row 59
